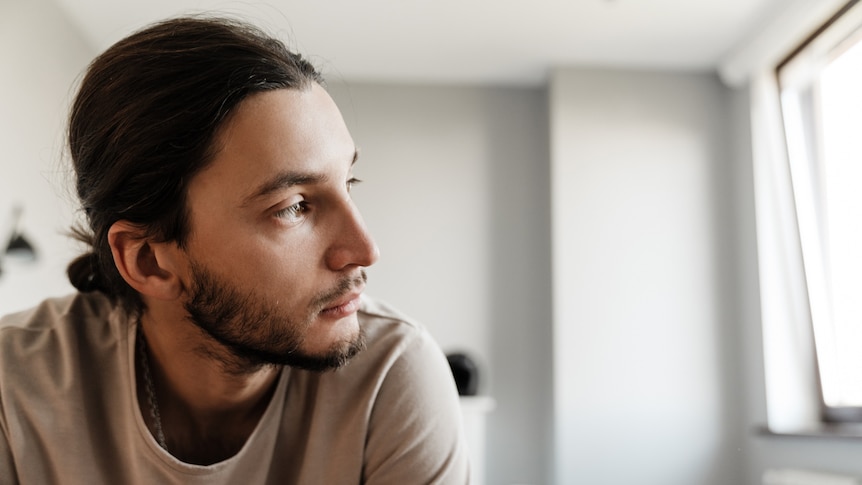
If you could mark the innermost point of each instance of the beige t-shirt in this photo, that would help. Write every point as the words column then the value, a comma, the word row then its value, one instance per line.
column 69, row 412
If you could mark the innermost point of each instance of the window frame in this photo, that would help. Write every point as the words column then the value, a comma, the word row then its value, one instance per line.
column 824, row 41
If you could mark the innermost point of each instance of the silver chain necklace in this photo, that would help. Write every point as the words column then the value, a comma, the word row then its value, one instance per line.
column 151, row 390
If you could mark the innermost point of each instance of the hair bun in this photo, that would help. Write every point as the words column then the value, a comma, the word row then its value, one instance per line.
column 83, row 273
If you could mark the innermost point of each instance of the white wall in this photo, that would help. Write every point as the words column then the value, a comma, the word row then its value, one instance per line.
column 455, row 193
column 41, row 56
column 644, row 380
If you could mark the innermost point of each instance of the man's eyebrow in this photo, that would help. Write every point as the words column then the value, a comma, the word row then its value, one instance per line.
column 286, row 180
column 282, row 181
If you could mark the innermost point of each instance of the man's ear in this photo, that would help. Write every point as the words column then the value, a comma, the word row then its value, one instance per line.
column 148, row 267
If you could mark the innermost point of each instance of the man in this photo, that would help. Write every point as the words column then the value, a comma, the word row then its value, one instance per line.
column 220, row 334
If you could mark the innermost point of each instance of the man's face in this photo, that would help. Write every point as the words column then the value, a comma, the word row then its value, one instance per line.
column 276, row 247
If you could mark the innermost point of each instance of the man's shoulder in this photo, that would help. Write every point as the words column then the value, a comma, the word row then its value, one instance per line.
column 391, row 336
column 381, row 320
column 55, row 317
column 373, row 308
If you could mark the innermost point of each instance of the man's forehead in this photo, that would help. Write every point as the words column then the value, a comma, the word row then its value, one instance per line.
column 281, row 138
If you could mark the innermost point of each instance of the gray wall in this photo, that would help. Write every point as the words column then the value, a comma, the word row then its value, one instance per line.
column 456, row 194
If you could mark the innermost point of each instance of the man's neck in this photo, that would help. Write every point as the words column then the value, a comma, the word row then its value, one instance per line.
column 205, row 412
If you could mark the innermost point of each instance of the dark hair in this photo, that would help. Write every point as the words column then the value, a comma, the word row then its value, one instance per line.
column 144, row 123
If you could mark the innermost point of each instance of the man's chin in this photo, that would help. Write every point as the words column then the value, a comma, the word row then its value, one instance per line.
column 334, row 357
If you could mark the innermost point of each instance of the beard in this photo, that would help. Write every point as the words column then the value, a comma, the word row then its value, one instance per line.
column 257, row 333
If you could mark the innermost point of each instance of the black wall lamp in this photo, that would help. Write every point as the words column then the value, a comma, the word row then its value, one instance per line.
column 17, row 246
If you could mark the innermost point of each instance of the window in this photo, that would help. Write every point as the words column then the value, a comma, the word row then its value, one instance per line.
column 821, row 103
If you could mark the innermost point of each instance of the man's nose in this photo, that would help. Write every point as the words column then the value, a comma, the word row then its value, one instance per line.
column 352, row 244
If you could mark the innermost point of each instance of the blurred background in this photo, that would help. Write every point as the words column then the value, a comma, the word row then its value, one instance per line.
column 562, row 190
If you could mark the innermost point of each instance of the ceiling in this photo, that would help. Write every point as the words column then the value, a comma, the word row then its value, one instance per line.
column 468, row 41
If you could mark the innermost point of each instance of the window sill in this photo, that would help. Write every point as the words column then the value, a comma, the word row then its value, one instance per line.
column 852, row 431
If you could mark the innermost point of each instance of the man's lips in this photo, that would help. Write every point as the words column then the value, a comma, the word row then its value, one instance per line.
column 344, row 299
column 343, row 306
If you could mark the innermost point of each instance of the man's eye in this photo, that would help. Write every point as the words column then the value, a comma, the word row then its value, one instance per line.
column 292, row 213
column 351, row 182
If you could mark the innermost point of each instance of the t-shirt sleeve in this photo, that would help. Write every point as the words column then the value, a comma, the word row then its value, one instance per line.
column 7, row 465
column 8, row 475
column 416, row 430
